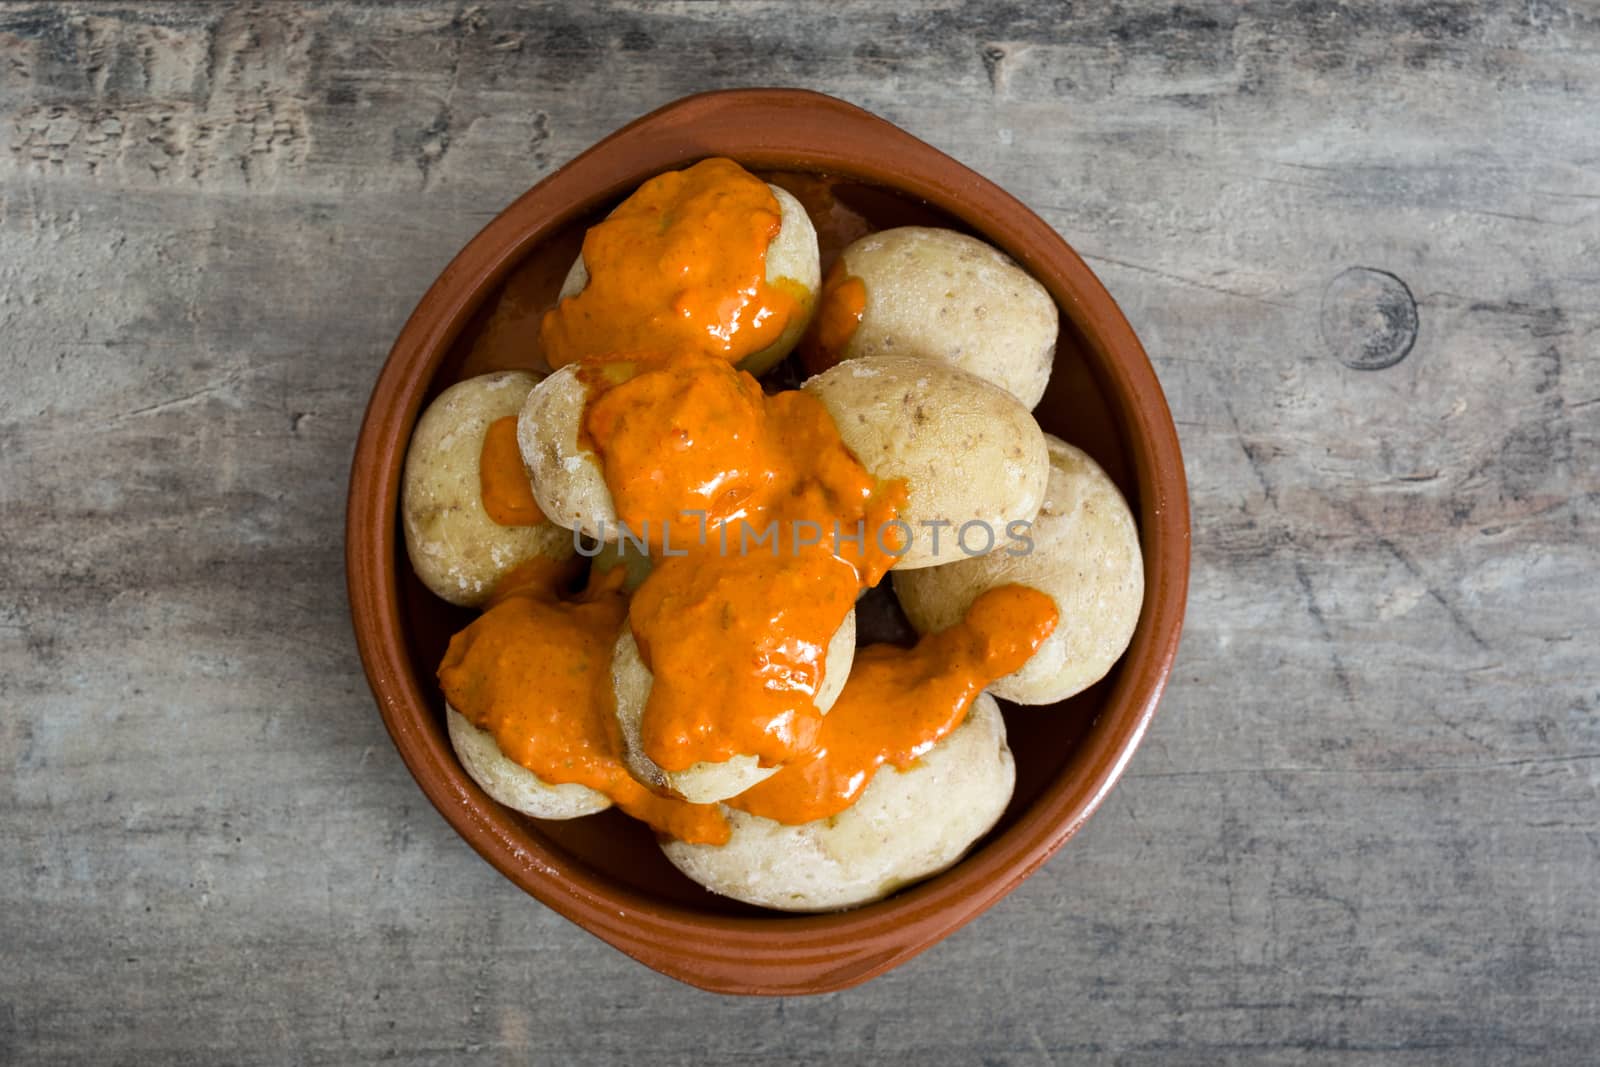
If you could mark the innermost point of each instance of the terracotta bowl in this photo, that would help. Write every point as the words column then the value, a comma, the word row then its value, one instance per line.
column 605, row 872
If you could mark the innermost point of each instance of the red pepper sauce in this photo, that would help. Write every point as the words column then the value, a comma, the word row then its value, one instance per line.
column 899, row 703
column 535, row 671
column 503, row 480
column 680, row 266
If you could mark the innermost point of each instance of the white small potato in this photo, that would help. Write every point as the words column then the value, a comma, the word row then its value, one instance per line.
column 906, row 826
column 1085, row 556
column 969, row 452
column 705, row 783
column 511, row 783
column 943, row 295
column 458, row 551
column 793, row 263
column 569, row 483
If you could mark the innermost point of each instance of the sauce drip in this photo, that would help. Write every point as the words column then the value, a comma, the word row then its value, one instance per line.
column 502, row 479
column 736, row 616
column 839, row 310
column 534, row 671
column 899, row 703
column 681, row 265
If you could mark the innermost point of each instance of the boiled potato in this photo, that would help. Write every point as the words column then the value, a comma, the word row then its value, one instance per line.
column 511, row 783
column 457, row 550
column 568, row 480
column 1085, row 556
column 943, row 295
column 907, row 825
column 968, row 450
column 792, row 264
column 705, row 783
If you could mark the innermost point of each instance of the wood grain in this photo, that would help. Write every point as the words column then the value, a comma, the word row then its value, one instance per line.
column 1365, row 820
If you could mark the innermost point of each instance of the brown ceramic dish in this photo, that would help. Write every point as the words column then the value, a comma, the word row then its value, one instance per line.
column 604, row 872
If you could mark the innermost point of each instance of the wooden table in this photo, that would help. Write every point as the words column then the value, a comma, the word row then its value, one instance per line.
column 1367, row 817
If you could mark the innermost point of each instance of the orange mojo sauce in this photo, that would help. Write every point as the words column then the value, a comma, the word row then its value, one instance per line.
column 737, row 612
column 839, row 311
column 535, row 671
column 735, row 624
column 680, row 266
column 503, row 480
column 899, row 703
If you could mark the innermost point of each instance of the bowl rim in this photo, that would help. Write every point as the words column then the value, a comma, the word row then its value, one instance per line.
column 785, row 129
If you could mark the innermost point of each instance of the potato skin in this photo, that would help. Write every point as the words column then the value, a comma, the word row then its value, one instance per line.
column 792, row 259
column 907, row 825
column 1085, row 556
column 458, row 551
column 943, row 295
column 511, row 783
column 967, row 449
column 568, row 481
column 705, row 783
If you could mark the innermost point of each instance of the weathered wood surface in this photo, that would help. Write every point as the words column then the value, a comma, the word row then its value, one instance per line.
column 1365, row 820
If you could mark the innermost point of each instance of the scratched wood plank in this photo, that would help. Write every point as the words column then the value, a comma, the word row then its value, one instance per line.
column 1365, row 821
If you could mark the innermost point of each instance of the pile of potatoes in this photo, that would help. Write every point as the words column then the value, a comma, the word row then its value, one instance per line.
column 954, row 348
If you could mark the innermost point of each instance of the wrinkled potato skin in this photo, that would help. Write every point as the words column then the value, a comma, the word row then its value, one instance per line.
column 511, row 783
column 906, row 826
column 792, row 260
column 967, row 449
column 458, row 551
column 705, row 783
column 568, row 480
column 1085, row 556
column 939, row 294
